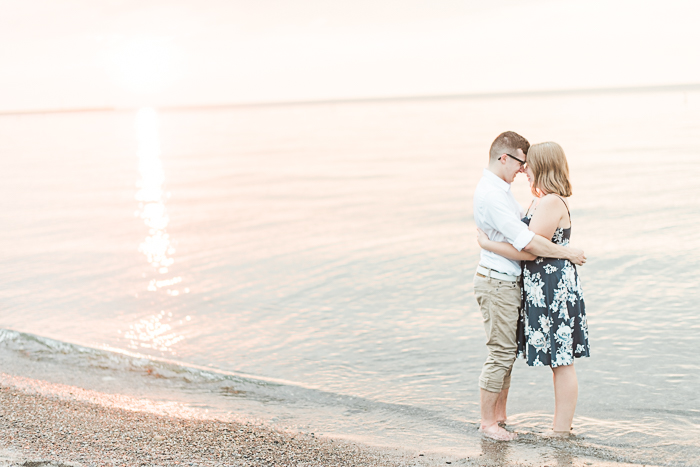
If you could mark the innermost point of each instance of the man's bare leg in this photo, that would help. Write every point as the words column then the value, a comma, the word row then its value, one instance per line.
column 501, row 402
column 565, row 397
column 489, row 420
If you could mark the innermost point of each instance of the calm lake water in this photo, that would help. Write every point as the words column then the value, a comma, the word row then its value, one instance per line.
column 318, row 260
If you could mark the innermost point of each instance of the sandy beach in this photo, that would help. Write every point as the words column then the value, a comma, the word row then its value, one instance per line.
column 41, row 430
column 37, row 428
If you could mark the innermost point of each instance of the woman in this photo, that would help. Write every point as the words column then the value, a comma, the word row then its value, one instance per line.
column 552, row 329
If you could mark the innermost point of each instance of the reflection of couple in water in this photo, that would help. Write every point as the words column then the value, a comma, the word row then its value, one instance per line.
column 527, row 286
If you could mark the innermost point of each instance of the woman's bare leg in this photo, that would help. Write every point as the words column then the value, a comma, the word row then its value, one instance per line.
column 565, row 397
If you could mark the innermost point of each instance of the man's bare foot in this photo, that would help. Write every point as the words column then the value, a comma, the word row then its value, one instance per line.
column 496, row 432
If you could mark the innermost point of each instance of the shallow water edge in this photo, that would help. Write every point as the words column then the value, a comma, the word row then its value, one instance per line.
column 118, row 381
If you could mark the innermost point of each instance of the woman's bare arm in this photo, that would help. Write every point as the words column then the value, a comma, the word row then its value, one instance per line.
column 546, row 218
column 502, row 248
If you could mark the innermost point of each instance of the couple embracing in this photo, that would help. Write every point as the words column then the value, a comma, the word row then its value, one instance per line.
column 526, row 283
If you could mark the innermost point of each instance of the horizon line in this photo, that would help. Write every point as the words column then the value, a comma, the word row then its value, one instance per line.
column 361, row 100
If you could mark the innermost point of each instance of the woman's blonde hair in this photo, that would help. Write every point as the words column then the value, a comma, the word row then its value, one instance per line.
column 550, row 169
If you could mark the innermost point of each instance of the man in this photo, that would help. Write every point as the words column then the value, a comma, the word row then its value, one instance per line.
column 497, row 283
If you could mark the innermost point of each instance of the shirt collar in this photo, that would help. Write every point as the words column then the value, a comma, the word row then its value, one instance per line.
column 494, row 179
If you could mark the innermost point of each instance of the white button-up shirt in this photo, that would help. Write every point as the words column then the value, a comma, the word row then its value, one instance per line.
column 497, row 213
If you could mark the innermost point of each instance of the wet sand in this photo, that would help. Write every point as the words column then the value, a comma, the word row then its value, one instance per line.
column 39, row 429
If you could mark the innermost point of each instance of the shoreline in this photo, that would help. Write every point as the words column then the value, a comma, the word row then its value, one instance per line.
column 38, row 429
column 65, row 429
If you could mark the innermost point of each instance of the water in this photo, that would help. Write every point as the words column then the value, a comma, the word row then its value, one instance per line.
column 310, row 266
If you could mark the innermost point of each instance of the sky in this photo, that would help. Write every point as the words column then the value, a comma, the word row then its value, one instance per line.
column 63, row 54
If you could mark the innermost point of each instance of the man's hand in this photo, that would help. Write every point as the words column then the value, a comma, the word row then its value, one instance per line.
column 577, row 256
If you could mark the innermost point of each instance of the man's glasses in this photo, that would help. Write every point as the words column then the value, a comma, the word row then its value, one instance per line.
column 523, row 164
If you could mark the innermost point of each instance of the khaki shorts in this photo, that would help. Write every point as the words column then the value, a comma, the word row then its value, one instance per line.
column 499, row 302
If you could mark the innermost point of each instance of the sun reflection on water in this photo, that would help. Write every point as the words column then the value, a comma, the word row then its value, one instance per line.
column 154, row 332
column 156, row 246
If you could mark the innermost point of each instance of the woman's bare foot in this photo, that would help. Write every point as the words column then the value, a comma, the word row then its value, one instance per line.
column 496, row 432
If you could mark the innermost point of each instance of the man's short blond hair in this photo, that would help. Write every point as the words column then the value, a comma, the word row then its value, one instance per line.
column 508, row 142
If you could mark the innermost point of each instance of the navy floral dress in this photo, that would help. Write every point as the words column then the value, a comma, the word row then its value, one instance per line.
column 552, row 329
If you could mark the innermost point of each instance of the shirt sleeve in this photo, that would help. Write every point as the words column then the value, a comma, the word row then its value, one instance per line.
column 501, row 217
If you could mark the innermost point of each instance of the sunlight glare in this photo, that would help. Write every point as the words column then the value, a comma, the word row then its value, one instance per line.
column 156, row 246
column 153, row 332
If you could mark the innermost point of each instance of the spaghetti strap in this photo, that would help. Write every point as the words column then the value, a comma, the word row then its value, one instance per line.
column 562, row 200
column 528, row 208
column 565, row 205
